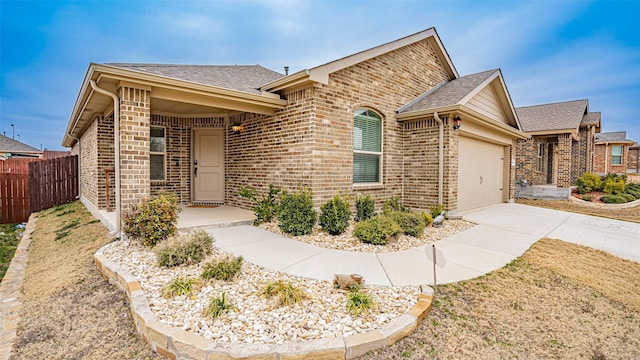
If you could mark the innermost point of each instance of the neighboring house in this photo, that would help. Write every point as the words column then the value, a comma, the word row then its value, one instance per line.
column 612, row 153
column 11, row 148
column 380, row 122
column 633, row 161
column 561, row 143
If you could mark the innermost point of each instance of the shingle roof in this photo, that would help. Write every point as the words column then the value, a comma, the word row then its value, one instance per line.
column 618, row 136
column 556, row 116
column 592, row 118
column 449, row 93
column 245, row 78
column 10, row 145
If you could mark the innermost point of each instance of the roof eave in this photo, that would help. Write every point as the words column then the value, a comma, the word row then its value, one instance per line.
column 97, row 71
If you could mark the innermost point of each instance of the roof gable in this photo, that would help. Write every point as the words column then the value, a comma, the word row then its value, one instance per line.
column 483, row 93
column 11, row 145
column 555, row 116
column 320, row 74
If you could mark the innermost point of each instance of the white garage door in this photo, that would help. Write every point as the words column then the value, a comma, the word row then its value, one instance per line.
column 480, row 174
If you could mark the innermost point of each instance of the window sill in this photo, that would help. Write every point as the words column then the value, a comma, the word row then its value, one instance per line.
column 368, row 186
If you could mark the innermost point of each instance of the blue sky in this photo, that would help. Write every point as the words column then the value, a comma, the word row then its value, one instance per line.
column 548, row 51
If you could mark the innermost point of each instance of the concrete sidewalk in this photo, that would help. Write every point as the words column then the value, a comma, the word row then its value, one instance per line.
column 504, row 232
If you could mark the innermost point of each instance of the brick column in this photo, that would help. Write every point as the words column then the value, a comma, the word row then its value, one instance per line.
column 564, row 160
column 135, row 122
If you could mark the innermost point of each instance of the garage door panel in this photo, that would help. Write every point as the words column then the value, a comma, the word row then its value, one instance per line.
column 480, row 173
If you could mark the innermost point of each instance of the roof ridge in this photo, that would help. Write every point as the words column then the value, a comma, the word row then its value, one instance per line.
column 553, row 103
column 195, row 65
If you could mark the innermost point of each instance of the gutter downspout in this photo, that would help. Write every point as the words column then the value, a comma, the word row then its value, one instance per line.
column 116, row 140
column 440, row 155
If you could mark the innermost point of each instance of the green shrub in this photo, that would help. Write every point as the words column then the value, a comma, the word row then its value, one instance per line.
column 633, row 189
column 218, row 306
column 179, row 286
column 186, row 249
column 427, row 219
column 587, row 197
column 153, row 220
column 365, row 207
column 377, row 230
column 225, row 269
column 589, row 182
column 358, row 302
column 393, row 204
column 335, row 215
column 265, row 207
column 617, row 199
column 614, row 185
column 614, row 176
column 436, row 210
column 410, row 222
column 284, row 293
column 296, row 215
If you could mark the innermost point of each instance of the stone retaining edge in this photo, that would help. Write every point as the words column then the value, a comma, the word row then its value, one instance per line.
column 11, row 290
column 176, row 343
column 628, row 205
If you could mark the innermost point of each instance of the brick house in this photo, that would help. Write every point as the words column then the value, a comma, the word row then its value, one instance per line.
column 394, row 120
column 612, row 153
column 561, row 143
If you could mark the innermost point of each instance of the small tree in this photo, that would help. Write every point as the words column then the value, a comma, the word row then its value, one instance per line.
column 265, row 207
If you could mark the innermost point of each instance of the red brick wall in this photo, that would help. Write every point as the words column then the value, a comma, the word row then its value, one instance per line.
column 602, row 163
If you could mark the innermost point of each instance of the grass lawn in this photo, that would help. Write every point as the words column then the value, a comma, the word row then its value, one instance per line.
column 8, row 243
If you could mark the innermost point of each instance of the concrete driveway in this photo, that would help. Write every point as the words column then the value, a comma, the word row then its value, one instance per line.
column 504, row 232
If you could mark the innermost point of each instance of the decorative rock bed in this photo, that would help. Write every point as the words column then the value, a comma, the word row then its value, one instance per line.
column 319, row 327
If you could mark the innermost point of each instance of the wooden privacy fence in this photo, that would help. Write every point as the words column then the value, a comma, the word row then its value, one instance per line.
column 17, row 165
column 48, row 183
column 14, row 198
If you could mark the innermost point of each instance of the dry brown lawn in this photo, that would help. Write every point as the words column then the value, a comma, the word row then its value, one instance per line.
column 69, row 311
column 558, row 301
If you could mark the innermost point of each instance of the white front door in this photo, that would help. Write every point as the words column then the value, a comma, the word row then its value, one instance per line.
column 208, row 165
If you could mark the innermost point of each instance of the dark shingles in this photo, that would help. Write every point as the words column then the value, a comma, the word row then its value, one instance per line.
column 556, row 116
column 245, row 78
column 449, row 93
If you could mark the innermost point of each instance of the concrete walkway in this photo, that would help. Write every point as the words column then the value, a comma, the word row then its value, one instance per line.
column 504, row 232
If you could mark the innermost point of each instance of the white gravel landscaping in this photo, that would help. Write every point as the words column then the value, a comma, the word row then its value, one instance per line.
column 255, row 318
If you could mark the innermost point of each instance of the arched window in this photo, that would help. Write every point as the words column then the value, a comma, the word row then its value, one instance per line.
column 367, row 146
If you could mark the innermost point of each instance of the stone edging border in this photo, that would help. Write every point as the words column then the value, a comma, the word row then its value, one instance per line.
column 11, row 290
column 628, row 205
column 176, row 343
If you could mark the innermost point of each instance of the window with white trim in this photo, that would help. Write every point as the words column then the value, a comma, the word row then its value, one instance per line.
column 540, row 157
column 157, row 155
column 367, row 147
column 616, row 155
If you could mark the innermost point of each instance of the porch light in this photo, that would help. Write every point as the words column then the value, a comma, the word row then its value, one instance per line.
column 457, row 122
column 237, row 128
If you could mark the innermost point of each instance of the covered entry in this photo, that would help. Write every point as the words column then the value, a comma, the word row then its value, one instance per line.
column 481, row 173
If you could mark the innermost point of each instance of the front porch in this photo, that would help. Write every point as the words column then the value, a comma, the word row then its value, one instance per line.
column 193, row 217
